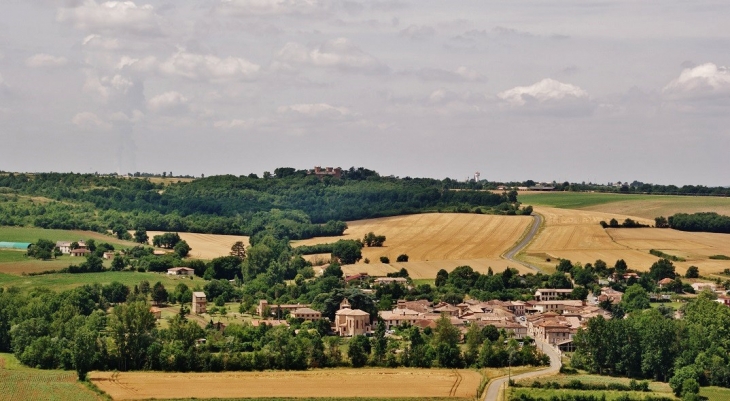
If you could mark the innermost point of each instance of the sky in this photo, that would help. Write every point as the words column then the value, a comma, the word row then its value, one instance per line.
column 573, row 90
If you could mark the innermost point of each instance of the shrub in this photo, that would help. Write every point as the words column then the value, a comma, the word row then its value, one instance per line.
column 384, row 259
column 402, row 258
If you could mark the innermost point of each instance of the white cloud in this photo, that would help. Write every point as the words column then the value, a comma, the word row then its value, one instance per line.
column 209, row 67
column 337, row 53
column 168, row 102
column 231, row 124
column 543, row 91
column 89, row 120
column 145, row 64
column 122, row 16
column 45, row 60
column 107, row 86
column 273, row 7
column 701, row 81
column 100, row 42
column 315, row 110
column 418, row 32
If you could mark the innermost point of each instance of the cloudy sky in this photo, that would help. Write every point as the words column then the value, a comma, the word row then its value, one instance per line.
column 577, row 90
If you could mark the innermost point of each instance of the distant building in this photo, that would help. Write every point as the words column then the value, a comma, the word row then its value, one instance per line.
column 108, row 255
column 306, row 314
column 325, row 172
column 156, row 312
column 181, row 271
column 65, row 246
column 200, row 303
column 389, row 280
column 551, row 294
column 351, row 322
column 79, row 252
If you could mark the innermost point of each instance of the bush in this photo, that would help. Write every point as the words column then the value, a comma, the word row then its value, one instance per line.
column 384, row 259
column 402, row 258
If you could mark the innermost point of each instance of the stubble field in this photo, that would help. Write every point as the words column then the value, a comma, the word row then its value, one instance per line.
column 576, row 235
column 207, row 246
column 331, row 383
column 434, row 241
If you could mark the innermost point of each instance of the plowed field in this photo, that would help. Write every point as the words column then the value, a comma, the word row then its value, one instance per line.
column 332, row 383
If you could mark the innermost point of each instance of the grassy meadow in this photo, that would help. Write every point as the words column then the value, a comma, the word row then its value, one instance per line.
column 60, row 282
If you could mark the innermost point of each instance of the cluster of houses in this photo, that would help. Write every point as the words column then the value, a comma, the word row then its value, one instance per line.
column 81, row 249
column 548, row 318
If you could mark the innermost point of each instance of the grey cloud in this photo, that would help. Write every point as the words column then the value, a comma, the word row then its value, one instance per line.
column 418, row 32
column 209, row 67
column 460, row 74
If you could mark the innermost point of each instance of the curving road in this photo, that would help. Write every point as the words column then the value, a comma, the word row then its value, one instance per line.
column 510, row 255
column 495, row 386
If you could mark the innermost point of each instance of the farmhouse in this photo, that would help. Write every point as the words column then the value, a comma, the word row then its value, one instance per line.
column 609, row 294
column 551, row 294
column 65, row 246
column 79, row 252
column 108, row 255
column 264, row 308
column 200, row 303
column 181, row 271
column 351, row 322
column 665, row 282
column 725, row 300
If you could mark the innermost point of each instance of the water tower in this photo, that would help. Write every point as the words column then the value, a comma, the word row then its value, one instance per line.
column 476, row 176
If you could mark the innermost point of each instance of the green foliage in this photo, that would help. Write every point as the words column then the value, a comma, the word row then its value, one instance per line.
column 182, row 249
column 402, row 258
column 663, row 268
column 371, row 239
column 635, row 298
column 347, row 251
column 358, row 351
column 692, row 272
column 166, row 240
column 663, row 255
column 42, row 249
column 384, row 259
column 706, row 221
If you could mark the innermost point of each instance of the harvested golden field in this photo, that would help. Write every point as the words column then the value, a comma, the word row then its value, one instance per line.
column 576, row 235
column 434, row 241
column 331, row 383
column 428, row 269
column 207, row 246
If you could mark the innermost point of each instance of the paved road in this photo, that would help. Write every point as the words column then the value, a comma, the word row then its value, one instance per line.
column 496, row 386
column 510, row 255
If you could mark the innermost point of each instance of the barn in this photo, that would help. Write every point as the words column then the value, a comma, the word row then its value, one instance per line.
column 21, row 246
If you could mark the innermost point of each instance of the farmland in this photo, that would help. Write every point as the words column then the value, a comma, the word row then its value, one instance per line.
column 207, row 246
column 65, row 281
column 20, row 383
column 646, row 206
column 32, row 234
column 576, row 235
column 434, row 241
column 337, row 383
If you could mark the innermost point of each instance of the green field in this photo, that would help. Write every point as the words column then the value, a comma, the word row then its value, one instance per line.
column 33, row 234
column 61, row 281
column 21, row 383
column 715, row 393
column 578, row 200
column 647, row 206
column 610, row 395
column 7, row 256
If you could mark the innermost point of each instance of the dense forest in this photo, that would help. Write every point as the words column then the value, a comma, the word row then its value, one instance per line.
column 292, row 204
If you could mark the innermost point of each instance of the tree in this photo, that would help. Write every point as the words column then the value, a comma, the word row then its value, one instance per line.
column 620, row 267
column 692, row 272
column 115, row 292
column 358, row 351
column 441, row 277
column 159, row 293
column 118, row 263
column 380, row 343
column 565, row 266
column 371, row 239
column 661, row 222
column 347, row 251
column 42, row 249
column 84, row 352
column 402, row 258
column 384, row 259
column 635, row 298
column 182, row 249
column 140, row 235
column 238, row 250
column 613, row 223
column 663, row 268
column 166, row 240
column 130, row 326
